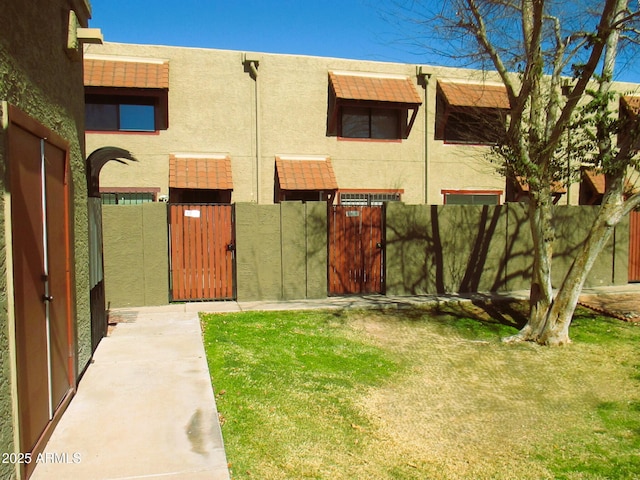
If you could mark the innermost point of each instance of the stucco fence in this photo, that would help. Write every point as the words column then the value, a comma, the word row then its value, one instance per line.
column 281, row 250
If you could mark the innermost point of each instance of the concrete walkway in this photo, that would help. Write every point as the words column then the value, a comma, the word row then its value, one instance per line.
column 145, row 407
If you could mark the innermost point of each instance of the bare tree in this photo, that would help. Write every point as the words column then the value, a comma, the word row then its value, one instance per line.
column 557, row 61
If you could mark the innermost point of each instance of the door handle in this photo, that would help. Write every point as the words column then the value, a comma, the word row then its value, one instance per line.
column 47, row 298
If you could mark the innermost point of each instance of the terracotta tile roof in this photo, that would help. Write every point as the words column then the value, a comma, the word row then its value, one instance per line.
column 199, row 172
column 596, row 180
column 556, row 187
column 305, row 174
column 115, row 73
column 599, row 183
column 474, row 95
column 374, row 87
column 632, row 103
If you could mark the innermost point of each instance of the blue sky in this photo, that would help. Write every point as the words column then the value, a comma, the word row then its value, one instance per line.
column 353, row 29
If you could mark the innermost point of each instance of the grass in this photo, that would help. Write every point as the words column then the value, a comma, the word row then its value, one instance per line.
column 423, row 393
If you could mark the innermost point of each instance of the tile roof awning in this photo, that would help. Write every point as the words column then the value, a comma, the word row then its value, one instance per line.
column 376, row 90
column 305, row 173
column 476, row 95
column 129, row 73
column 631, row 104
column 200, row 172
column 557, row 188
column 595, row 180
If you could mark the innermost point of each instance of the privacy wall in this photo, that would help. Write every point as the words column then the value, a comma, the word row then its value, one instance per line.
column 136, row 258
column 456, row 248
column 281, row 250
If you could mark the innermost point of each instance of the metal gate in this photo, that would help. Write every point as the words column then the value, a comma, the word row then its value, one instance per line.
column 356, row 250
column 202, row 248
column 634, row 246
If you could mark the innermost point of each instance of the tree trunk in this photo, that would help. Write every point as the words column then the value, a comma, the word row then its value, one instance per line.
column 549, row 322
column 541, row 293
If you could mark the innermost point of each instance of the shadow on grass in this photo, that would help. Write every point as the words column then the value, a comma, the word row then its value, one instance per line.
column 479, row 316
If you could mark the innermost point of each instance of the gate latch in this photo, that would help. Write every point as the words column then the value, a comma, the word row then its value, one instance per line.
column 47, row 298
column 231, row 247
column 379, row 244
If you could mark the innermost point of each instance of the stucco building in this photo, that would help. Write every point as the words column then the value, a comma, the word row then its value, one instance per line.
column 228, row 126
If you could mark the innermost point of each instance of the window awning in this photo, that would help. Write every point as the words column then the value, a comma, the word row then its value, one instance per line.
column 557, row 188
column 200, row 172
column 375, row 90
column 474, row 95
column 305, row 173
column 125, row 73
column 595, row 180
column 632, row 104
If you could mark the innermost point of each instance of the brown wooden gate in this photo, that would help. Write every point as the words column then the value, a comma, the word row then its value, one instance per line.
column 356, row 250
column 202, row 252
column 42, row 277
column 634, row 246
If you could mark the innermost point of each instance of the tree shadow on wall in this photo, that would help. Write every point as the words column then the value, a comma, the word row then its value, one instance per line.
column 456, row 249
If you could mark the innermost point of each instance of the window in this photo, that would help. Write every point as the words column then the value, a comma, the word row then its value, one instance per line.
column 472, row 126
column 136, row 112
column 471, row 198
column 380, row 123
column 126, row 198
column 470, row 113
column 128, row 195
column 368, row 198
column 199, row 195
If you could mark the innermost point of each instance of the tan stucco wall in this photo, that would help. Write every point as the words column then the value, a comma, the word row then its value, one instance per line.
column 41, row 80
column 212, row 109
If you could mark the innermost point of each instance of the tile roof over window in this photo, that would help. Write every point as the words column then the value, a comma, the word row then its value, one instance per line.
column 632, row 104
column 195, row 171
column 556, row 187
column 474, row 95
column 596, row 180
column 373, row 87
column 305, row 173
column 131, row 73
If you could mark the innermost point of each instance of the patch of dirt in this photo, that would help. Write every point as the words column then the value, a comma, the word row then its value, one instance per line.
column 119, row 316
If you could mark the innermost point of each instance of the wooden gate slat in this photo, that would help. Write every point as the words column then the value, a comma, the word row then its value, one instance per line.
column 634, row 246
column 209, row 250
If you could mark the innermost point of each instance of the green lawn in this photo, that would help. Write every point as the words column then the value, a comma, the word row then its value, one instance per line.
column 423, row 393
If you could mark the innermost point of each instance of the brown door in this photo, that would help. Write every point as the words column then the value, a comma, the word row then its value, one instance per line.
column 202, row 252
column 634, row 246
column 356, row 250
column 41, row 274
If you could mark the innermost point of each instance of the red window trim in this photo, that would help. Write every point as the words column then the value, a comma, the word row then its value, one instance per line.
column 121, row 132
column 379, row 140
column 372, row 190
